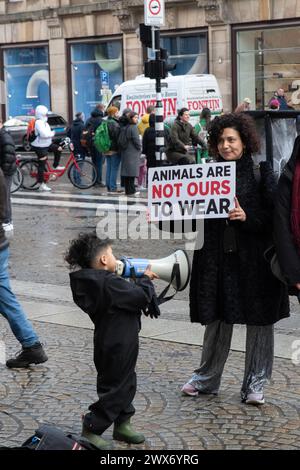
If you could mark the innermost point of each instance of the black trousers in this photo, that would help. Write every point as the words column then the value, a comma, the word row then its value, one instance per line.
column 114, row 406
column 129, row 184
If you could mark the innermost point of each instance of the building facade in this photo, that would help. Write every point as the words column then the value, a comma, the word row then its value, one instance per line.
column 71, row 54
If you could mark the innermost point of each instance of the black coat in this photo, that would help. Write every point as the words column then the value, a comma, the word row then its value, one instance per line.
column 75, row 135
column 7, row 153
column 114, row 306
column 239, row 287
column 288, row 256
column 149, row 146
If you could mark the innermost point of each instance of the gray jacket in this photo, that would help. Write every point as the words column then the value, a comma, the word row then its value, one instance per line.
column 130, row 149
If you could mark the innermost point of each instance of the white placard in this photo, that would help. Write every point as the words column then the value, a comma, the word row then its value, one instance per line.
column 154, row 12
column 191, row 191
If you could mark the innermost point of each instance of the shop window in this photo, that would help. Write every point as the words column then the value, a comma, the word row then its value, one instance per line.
column 97, row 69
column 26, row 74
column 189, row 53
column 268, row 59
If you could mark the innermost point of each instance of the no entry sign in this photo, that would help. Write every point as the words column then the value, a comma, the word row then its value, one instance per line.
column 154, row 12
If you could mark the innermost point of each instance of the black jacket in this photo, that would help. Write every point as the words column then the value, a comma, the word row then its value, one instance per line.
column 149, row 146
column 239, row 287
column 114, row 131
column 75, row 134
column 94, row 120
column 288, row 256
column 7, row 153
column 114, row 306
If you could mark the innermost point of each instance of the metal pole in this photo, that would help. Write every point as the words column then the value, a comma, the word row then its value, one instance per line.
column 159, row 111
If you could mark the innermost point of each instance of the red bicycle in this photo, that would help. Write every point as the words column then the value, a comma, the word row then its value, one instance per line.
column 82, row 173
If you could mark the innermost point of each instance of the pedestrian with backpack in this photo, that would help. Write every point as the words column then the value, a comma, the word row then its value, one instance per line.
column 106, row 141
column 91, row 125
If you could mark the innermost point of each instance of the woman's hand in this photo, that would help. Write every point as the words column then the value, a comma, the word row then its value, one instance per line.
column 237, row 213
column 297, row 285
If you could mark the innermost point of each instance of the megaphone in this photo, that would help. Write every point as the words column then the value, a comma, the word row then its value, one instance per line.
column 174, row 269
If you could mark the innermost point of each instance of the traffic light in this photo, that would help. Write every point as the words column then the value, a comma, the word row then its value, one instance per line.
column 164, row 55
column 154, row 68
column 146, row 36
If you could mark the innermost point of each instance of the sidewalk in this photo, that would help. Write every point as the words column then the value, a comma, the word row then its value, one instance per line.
column 60, row 390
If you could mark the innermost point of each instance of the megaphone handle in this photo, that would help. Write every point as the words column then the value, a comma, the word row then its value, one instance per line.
column 175, row 274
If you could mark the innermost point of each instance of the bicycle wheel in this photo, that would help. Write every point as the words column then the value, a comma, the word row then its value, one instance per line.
column 17, row 180
column 84, row 176
column 30, row 171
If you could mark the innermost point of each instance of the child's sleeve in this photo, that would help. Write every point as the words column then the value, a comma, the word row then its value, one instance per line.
column 128, row 296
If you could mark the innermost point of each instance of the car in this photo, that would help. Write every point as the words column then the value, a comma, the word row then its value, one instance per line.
column 17, row 127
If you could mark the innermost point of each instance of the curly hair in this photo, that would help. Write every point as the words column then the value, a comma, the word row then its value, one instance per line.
column 83, row 250
column 242, row 123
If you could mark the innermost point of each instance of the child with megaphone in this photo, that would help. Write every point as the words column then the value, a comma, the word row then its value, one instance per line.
column 114, row 306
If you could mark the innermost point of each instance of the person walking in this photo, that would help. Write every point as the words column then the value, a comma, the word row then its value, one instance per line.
column 231, row 282
column 8, row 166
column 32, row 351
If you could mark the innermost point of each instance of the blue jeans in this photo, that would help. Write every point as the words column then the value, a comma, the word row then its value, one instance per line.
column 11, row 309
column 112, row 166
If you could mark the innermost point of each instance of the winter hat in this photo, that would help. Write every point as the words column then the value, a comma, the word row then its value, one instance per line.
column 126, row 111
column 247, row 100
column 274, row 104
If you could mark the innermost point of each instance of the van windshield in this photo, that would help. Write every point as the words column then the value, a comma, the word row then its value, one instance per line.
column 115, row 101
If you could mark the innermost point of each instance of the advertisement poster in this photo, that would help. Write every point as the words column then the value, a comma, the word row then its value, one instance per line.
column 26, row 80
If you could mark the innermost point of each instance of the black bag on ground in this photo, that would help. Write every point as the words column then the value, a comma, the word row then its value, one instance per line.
column 48, row 437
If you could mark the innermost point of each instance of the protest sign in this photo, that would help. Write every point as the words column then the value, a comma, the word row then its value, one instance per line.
column 191, row 191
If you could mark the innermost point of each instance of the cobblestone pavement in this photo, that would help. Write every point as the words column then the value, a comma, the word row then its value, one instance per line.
column 60, row 390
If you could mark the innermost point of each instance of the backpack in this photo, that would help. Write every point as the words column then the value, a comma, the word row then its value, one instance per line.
column 102, row 139
column 30, row 134
column 87, row 137
column 48, row 437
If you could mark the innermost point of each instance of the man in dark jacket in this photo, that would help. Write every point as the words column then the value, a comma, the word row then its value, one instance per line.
column 74, row 133
column 8, row 166
column 182, row 137
column 32, row 350
column 91, row 125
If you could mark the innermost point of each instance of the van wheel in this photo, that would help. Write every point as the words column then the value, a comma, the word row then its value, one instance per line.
column 26, row 144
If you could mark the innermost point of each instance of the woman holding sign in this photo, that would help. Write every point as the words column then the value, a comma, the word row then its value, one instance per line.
column 231, row 282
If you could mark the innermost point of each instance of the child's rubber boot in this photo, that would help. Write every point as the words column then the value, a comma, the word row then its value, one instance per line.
column 124, row 432
column 95, row 439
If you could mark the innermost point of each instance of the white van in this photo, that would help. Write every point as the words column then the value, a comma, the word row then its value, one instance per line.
column 194, row 92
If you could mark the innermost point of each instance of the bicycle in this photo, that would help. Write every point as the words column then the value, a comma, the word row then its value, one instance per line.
column 17, row 177
column 81, row 173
